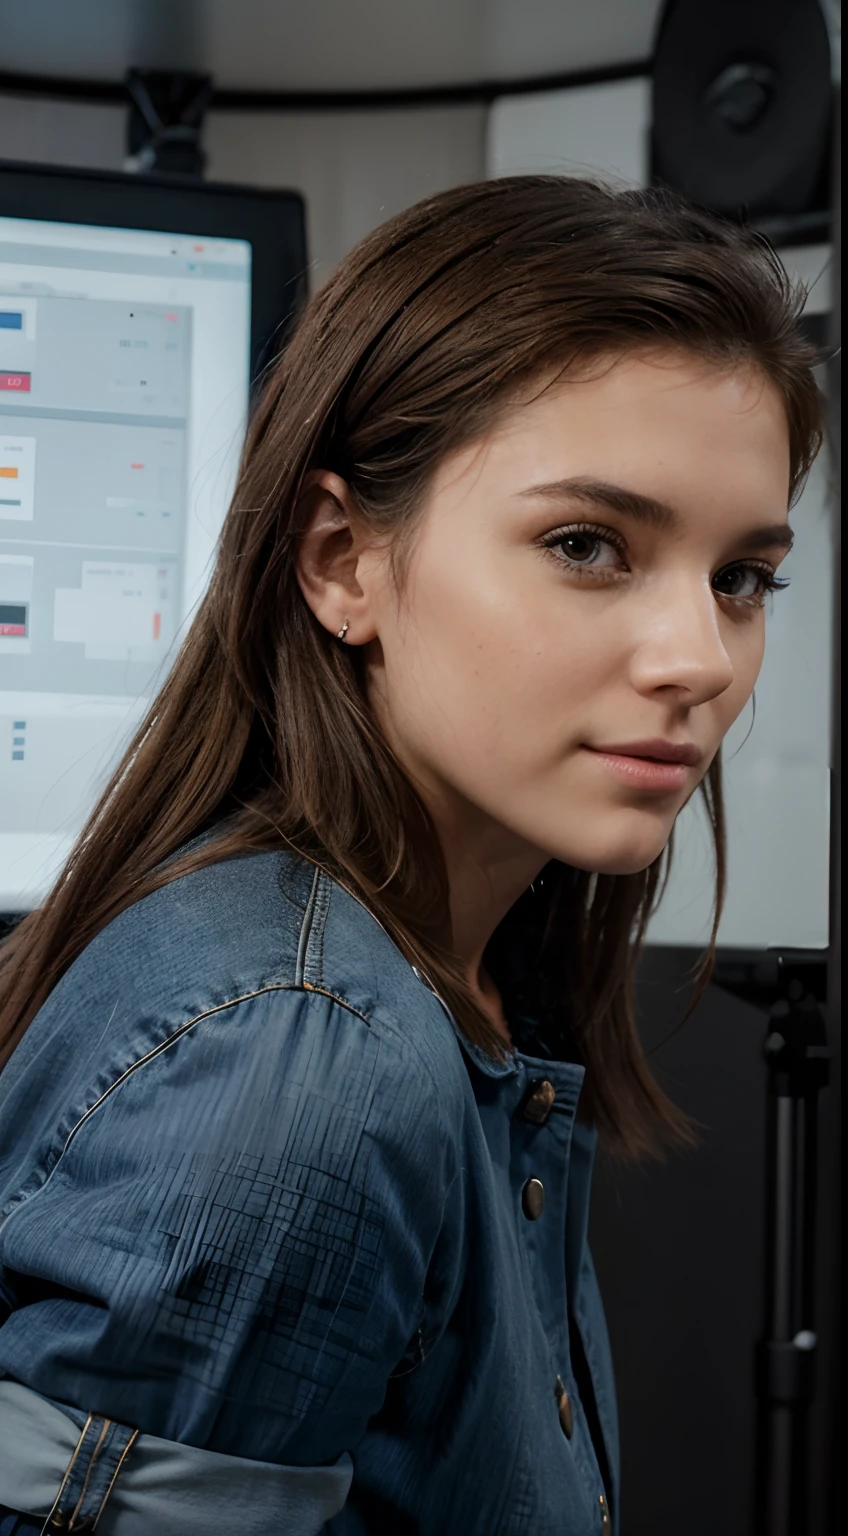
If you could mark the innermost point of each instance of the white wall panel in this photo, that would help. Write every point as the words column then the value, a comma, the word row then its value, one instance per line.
column 73, row 133
column 594, row 130
column 355, row 169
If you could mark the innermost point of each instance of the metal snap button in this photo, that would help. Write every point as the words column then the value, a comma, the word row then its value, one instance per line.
column 606, row 1522
column 533, row 1199
column 537, row 1102
column 565, row 1409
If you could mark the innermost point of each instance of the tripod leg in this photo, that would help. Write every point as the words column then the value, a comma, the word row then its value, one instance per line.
column 787, row 1361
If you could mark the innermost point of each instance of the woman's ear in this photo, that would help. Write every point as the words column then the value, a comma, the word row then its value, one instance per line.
column 331, row 543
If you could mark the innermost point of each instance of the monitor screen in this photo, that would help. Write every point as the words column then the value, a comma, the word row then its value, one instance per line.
column 124, row 376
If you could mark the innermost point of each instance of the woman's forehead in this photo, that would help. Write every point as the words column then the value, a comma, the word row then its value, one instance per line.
column 661, row 417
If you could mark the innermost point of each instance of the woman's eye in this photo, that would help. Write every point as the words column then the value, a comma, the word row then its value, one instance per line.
column 745, row 581
column 580, row 548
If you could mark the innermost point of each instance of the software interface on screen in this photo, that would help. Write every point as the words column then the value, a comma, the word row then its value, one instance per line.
column 124, row 371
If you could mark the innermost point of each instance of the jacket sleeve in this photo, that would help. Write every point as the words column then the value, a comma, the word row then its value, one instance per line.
column 237, row 1237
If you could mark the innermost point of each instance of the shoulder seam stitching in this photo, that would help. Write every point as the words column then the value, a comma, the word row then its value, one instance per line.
column 306, row 929
column 163, row 1045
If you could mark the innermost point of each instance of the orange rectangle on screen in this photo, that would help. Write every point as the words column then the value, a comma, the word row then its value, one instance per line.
column 8, row 471
column 157, row 625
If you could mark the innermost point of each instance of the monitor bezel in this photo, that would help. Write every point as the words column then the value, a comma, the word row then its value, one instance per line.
column 272, row 221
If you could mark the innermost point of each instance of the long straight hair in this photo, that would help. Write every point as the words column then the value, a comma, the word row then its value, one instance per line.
column 262, row 735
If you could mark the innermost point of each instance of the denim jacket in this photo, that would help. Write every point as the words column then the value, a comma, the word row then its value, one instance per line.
column 272, row 1225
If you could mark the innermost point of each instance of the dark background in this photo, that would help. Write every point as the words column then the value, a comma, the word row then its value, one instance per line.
column 678, row 1247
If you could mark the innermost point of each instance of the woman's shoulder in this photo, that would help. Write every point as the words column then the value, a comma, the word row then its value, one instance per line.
column 232, row 1110
column 240, row 927
column 231, row 966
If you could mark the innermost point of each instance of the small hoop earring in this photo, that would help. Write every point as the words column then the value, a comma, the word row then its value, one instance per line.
column 343, row 631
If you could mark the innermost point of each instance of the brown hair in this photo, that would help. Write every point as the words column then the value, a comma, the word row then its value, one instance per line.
column 262, row 732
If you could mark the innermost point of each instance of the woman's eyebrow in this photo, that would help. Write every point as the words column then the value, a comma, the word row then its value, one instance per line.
column 602, row 493
column 645, row 509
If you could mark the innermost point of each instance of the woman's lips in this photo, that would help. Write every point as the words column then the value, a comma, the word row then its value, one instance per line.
column 642, row 772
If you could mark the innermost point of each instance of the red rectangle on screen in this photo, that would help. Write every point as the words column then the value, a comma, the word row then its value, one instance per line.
column 157, row 625
column 16, row 381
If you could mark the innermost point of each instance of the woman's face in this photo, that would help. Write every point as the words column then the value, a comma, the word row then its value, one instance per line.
column 585, row 584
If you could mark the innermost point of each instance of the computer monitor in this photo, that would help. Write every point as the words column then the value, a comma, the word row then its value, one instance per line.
column 129, row 334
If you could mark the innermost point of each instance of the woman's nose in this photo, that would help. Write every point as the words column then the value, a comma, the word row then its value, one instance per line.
column 680, row 644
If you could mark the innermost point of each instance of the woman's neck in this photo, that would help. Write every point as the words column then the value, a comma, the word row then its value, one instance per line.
column 491, row 1002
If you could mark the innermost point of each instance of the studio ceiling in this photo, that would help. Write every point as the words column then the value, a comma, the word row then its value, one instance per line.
column 326, row 45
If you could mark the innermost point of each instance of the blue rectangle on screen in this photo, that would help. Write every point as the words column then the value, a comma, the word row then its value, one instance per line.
column 11, row 320
column 17, row 757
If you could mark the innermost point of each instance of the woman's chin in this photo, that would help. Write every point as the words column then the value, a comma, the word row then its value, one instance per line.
column 626, row 856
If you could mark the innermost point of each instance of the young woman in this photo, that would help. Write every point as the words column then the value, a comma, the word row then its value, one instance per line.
column 314, row 1037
